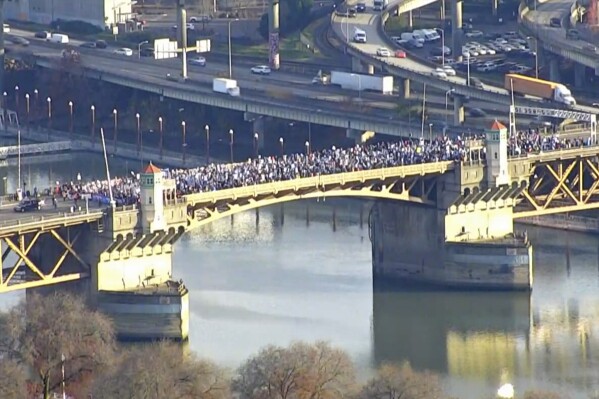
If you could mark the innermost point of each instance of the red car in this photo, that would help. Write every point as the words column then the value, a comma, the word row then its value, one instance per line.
column 400, row 54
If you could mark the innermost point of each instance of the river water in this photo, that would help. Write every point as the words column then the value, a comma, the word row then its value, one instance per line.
column 303, row 272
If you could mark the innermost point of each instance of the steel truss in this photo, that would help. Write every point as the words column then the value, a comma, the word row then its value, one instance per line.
column 418, row 189
column 561, row 186
column 28, row 271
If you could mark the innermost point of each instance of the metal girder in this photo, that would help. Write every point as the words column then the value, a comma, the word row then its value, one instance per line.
column 21, row 245
column 555, row 113
column 561, row 186
column 418, row 189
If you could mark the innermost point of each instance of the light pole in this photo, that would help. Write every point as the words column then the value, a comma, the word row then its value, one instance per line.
column 446, row 104
column 5, row 179
column 282, row 142
column 115, row 113
column 4, row 110
column 536, row 54
column 230, row 53
column 27, row 109
column 207, row 128
column 49, row 101
column 184, row 141
column 430, row 133
column 17, row 99
column 139, row 47
column 138, row 133
column 307, row 148
column 93, row 131
column 161, row 133
column 231, row 143
column 442, row 46
column 256, row 144
column 71, row 120
column 310, row 133
column 468, row 69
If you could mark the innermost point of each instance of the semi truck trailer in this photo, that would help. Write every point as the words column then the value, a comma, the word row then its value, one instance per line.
column 355, row 81
column 539, row 88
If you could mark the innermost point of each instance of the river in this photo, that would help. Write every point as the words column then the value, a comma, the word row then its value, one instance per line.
column 303, row 272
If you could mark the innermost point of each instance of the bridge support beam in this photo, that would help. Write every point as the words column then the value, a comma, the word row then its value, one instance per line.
column 579, row 75
column 458, row 111
column 405, row 88
column 494, row 7
column 273, row 34
column 410, row 19
column 456, row 29
column 554, row 74
column 356, row 65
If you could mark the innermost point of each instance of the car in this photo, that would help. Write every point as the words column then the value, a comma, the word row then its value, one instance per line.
column 17, row 40
column 413, row 43
column 439, row 73
column 572, row 34
column 352, row 12
column 361, row 7
column 449, row 71
column 201, row 18
column 476, row 113
column 555, row 23
column 476, row 83
column 42, row 34
column 146, row 52
column 29, row 204
column 124, row 51
column 383, row 52
column 400, row 54
column 475, row 33
column 441, row 51
column 198, row 61
column 88, row 45
column 260, row 70
column 190, row 26
column 590, row 48
column 101, row 44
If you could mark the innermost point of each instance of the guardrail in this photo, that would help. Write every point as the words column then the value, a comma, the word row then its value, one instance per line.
column 35, row 148
column 33, row 221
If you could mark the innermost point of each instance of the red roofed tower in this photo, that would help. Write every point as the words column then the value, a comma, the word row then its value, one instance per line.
column 152, row 201
column 497, row 161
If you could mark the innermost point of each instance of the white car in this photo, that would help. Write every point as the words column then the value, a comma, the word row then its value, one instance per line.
column 490, row 51
column 198, row 61
column 439, row 73
column 449, row 71
column 124, row 51
column 482, row 51
column 261, row 70
column 383, row 52
column 474, row 33
column 190, row 26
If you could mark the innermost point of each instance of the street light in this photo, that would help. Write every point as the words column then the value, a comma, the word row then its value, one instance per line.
column 231, row 143
column 71, row 119
column 536, row 55
column 139, row 47
column 17, row 99
column 430, row 133
column 49, row 101
column 230, row 53
column 207, row 128
column 446, row 95
column 27, row 109
column 93, row 131
column 308, row 148
column 282, row 145
column 256, row 144
column 115, row 113
column 161, row 132
column 184, row 141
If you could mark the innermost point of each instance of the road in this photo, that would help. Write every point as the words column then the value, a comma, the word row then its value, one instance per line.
column 9, row 216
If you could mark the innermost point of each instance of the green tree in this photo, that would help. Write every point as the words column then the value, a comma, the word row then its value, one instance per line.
column 161, row 371
column 42, row 330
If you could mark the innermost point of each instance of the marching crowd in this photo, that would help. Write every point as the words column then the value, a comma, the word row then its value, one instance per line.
column 334, row 160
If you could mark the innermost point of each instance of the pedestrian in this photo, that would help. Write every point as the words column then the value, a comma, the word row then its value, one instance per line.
column 54, row 201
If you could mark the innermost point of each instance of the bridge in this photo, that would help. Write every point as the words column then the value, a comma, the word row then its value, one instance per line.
column 446, row 223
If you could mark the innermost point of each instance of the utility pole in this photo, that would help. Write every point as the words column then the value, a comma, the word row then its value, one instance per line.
column 2, row 56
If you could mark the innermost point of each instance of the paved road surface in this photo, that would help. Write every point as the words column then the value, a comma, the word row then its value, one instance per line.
column 9, row 216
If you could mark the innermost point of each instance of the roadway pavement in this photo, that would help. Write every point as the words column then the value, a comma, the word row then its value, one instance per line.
column 9, row 216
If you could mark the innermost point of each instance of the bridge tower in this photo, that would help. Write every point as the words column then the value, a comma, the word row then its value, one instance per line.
column 152, row 200
column 497, row 160
column 273, row 35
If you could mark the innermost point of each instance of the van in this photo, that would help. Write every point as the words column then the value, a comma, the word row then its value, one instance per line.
column 476, row 83
column 58, row 38
column 419, row 35
column 359, row 36
column 430, row 35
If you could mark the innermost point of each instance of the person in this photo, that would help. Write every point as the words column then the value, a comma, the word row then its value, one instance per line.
column 54, row 201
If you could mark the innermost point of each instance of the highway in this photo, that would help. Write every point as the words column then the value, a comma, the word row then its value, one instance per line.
column 8, row 216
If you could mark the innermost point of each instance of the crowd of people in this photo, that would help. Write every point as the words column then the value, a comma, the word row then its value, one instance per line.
column 266, row 169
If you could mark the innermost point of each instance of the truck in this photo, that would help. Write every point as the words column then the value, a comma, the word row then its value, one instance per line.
column 225, row 86
column 545, row 89
column 380, row 5
column 354, row 81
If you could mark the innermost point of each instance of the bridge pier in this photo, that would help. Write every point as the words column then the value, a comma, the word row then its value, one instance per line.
column 554, row 74
column 273, row 35
column 579, row 75
column 456, row 32
column 358, row 67
column 462, row 235
column 405, row 88
column 458, row 110
column 410, row 20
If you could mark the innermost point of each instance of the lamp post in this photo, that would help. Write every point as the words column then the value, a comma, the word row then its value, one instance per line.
column 207, row 129
column 93, row 131
column 468, row 69
column 308, row 148
column 49, row 101
column 446, row 103
column 256, row 144
column 231, row 143
column 184, row 141
column 536, row 54
column 139, row 47
column 4, row 111
column 17, row 99
column 230, row 53
column 138, row 133
column 282, row 142
column 27, row 109
column 115, row 113
column 160, row 126
column 430, row 133
column 71, row 120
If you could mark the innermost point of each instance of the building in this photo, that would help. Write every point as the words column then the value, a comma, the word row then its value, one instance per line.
column 101, row 13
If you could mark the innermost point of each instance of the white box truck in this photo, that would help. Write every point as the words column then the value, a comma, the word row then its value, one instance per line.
column 58, row 38
column 355, row 81
column 225, row 86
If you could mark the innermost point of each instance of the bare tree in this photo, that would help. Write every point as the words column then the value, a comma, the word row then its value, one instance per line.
column 160, row 371
column 542, row 395
column 41, row 331
column 302, row 370
column 401, row 382
column 13, row 384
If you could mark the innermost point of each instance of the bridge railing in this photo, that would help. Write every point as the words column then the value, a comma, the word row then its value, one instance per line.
column 34, row 220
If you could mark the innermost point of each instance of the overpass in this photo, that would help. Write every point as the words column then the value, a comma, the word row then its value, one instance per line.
column 454, row 221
